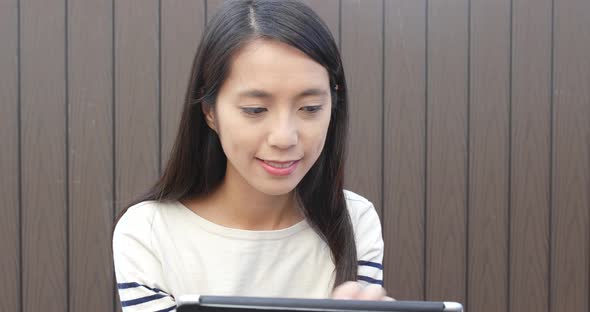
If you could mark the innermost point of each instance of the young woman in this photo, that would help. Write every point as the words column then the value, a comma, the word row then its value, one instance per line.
column 251, row 202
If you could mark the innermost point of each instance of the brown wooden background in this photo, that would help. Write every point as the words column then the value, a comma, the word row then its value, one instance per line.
column 470, row 133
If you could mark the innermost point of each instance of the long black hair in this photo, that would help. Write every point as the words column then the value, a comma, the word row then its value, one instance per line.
column 197, row 162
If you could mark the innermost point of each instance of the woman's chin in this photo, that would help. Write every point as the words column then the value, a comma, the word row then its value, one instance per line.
column 277, row 188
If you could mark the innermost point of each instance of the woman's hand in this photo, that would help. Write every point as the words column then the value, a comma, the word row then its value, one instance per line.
column 355, row 291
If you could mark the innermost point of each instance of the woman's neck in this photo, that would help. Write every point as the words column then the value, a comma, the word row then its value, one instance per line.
column 236, row 204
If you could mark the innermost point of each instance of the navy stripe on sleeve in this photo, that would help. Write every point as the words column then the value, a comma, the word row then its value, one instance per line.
column 133, row 285
column 370, row 280
column 371, row 264
column 141, row 300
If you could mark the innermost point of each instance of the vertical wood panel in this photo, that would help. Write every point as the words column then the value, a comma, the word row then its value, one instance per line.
column 446, row 150
column 570, row 245
column 404, row 146
column 488, row 155
column 9, row 139
column 137, row 142
column 362, row 54
column 136, row 98
column 43, row 128
column 529, row 211
column 182, row 26
column 90, row 154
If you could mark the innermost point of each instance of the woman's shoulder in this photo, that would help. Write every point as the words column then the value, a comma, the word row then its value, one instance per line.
column 354, row 197
column 367, row 231
column 139, row 217
column 360, row 208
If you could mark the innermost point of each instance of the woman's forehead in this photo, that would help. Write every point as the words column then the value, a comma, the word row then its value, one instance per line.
column 274, row 66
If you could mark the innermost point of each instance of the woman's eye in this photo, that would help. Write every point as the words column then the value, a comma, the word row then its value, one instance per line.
column 312, row 109
column 253, row 110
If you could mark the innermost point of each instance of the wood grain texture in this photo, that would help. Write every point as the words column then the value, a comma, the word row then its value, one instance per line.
column 90, row 116
column 10, row 265
column 472, row 116
column 530, row 151
column 362, row 54
column 404, row 134
column 488, row 155
column 43, row 156
column 570, row 240
column 447, row 114
column 182, row 25
column 136, row 98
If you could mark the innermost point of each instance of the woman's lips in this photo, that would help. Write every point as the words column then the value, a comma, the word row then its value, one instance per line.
column 279, row 168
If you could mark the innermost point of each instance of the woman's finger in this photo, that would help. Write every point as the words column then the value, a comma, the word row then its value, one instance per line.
column 372, row 292
column 387, row 298
column 347, row 290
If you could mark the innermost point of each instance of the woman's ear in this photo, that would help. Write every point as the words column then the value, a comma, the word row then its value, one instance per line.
column 208, row 112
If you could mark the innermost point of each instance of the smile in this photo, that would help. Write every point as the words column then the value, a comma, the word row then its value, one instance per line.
column 279, row 168
column 280, row 164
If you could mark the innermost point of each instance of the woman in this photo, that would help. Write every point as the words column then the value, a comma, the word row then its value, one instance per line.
column 251, row 201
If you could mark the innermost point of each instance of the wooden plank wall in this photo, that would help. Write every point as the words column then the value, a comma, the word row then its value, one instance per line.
column 470, row 132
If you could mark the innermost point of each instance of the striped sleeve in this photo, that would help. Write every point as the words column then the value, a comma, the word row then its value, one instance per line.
column 137, row 269
column 369, row 246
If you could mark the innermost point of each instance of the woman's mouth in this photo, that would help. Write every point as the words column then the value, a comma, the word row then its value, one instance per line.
column 279, row 168
column 280, row 164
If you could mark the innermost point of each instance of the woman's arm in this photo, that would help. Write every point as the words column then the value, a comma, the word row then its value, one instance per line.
column 137, row 269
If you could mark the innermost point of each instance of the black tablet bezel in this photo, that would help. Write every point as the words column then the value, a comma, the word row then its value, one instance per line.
column 267, row 304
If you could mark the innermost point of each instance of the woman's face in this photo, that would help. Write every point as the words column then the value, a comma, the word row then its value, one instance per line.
column 275, row 106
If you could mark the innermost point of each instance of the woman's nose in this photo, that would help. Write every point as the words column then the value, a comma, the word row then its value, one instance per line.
column 283, row 134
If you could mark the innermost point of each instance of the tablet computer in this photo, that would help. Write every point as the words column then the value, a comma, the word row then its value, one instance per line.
column 196, row 303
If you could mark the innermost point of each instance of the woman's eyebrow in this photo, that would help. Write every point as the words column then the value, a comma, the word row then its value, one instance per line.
column 261, row 94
